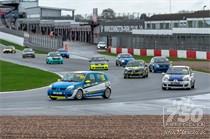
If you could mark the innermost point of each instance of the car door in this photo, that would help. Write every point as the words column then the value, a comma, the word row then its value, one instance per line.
column 90, row 85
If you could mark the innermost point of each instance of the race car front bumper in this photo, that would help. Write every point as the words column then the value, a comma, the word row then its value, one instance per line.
column 99, row 67
column 134, row 74
column 176, row 85
column 66, row 94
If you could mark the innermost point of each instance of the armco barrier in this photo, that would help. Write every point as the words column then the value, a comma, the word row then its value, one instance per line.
column 189, row 54
column 12, row 38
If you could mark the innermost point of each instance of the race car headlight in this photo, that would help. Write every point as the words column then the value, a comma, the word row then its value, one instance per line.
column 50, row 86
column 70, row 87
column 165, row 79
column 186, row 79
column 123, row 60
column 157, row 66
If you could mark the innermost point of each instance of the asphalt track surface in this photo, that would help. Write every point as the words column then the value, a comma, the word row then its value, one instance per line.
column 130, row 96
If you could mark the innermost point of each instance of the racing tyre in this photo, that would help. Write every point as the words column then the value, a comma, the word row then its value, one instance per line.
column 193, row 86
column 107, row 93
column 117, row 64
column 79, row 95
column 163, row 88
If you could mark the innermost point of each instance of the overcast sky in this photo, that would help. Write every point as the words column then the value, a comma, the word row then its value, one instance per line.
column 147, row 6
column 124, row 6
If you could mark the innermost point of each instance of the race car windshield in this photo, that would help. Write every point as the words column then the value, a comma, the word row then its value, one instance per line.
column 178, row 71
column 125, row 56
column 98, row 59
column 102, row 43
column 74, row 77
column 28, row 50
column 62, row 50
column 135, row 64
column 161, row 60
column 54, row 54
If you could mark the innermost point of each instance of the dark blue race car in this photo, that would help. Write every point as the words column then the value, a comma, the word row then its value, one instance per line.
column 123, row 59
column 64, row 53
column 159, row 64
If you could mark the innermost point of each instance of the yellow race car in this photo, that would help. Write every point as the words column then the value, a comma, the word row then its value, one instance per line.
column 99, row 63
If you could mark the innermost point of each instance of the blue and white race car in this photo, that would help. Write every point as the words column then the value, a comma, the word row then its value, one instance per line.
column 79, row 85
column 123, row 59
column 178, row 77
column 64, row 53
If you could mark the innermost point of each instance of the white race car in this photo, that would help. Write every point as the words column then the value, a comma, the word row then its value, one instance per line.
column 178, row 77
column 9, row 50
column 102, row 45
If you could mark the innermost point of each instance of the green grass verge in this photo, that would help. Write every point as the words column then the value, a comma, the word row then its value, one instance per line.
column 15, row 77
column 148, row 58
column 19, row 47
column 4, row 42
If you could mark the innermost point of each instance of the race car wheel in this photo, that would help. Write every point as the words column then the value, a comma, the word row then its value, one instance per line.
column 125, row 76
column 107, row 93
column 163, row 88
column 193, row 86
column 117, row 64
column 79, row 95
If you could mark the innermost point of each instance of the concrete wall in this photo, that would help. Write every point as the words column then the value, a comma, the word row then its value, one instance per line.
column 50, row 13
column 12, row 38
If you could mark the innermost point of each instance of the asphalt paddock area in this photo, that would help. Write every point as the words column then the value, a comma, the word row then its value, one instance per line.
column 96, row 127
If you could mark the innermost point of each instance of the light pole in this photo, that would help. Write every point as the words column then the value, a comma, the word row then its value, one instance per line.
column 204, row 7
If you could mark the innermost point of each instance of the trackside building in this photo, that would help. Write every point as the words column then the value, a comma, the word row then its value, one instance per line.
column 163, row 34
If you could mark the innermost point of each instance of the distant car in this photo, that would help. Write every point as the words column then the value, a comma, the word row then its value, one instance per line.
column 123, row 58
column 54, row 58
column 28, row 52
column 11, row 50
column 79, row 85
column 178, row 77
column 102, row 45
column 159, row 64
column 99, row 63
column 64, row 53
column 136, row 69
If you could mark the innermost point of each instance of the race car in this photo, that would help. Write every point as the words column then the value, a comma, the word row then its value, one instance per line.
column 159, row 64
column 79, row 85
column 136, row 69
column 178, row 77
column 102, row 45
column 54, row 58
column 28, row 52
column 99, row 63
column 9, row 50
column 64, row 53
column 123, row 58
